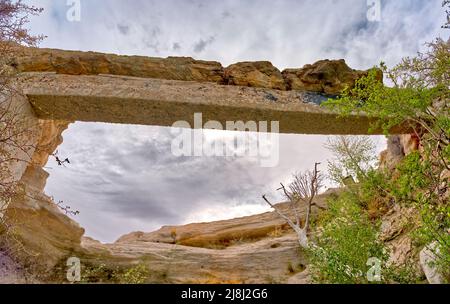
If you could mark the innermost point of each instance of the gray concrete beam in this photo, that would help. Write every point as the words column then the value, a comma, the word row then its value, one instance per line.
column 145, row 101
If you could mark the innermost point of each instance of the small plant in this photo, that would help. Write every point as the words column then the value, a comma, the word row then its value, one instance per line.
column 138, row 274
column 173, row 235
column 96, row 274
column 103, row 273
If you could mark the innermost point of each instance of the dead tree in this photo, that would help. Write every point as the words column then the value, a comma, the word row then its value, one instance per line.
column 304, row 188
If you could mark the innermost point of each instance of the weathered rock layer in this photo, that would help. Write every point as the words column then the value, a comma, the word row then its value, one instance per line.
column 325, row 76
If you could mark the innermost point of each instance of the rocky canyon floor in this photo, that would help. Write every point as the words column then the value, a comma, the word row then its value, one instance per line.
column 253, row 249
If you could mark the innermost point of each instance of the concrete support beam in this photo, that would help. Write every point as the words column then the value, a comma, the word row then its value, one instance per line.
column 145, row 101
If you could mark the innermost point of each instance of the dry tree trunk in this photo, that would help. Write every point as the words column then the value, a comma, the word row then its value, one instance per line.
column 305, row 187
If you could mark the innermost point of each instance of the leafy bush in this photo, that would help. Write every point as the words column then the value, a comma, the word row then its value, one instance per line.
column 102, row 273
column 134, row 275
column 417, row 101
column 345, row 243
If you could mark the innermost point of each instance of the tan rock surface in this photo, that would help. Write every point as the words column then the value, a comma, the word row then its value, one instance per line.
column 92, row 63
column 41, row 231
column 225, row 233
column 260, row 74
column 395, row 232
column 253, row 249
column 398, row 146
column 44, row 234
column 324, row 76
column 265, row 261
column 25, row 132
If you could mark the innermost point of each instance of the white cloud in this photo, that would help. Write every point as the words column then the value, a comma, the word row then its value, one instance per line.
column 288, row 33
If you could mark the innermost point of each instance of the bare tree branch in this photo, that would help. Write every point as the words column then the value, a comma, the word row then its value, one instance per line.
column 304, row 187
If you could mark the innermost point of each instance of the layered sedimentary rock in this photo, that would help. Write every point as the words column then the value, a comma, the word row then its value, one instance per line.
column 227, row 232
column 261, row 74
column 146, row 101
column 44, row 234
column 324, row 76
column 253, row 249
column 399, row 223
column 270, row 260
column 395, row 232
column 90, row 86
column 23, row 135
column 92, row 63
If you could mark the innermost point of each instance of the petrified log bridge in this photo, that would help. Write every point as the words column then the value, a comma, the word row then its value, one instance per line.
column 65, row 86
column 87, row 86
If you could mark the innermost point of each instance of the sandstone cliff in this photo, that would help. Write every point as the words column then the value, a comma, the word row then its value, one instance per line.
column 42, row 234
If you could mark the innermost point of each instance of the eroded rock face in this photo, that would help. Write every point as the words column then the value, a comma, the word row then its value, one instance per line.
column 252, row 249
column 394, row 153
column 396, row 232
column 409, row 143
column 324, row 76
column 39, row 225
column 260, row 74
column 227, row 232
column 398, row 147
column 92, row 63
column 45, row 233
column 427, row 259
column 51, row 137
column 27, row 130
column 271, row 260
column 398, row 222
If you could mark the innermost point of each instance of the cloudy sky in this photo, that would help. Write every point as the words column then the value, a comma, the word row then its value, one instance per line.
column 125, row 178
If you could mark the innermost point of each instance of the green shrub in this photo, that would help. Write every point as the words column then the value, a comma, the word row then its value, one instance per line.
column 134, row 275
column 346, row 242
column 416, row 102
column 101, row 273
